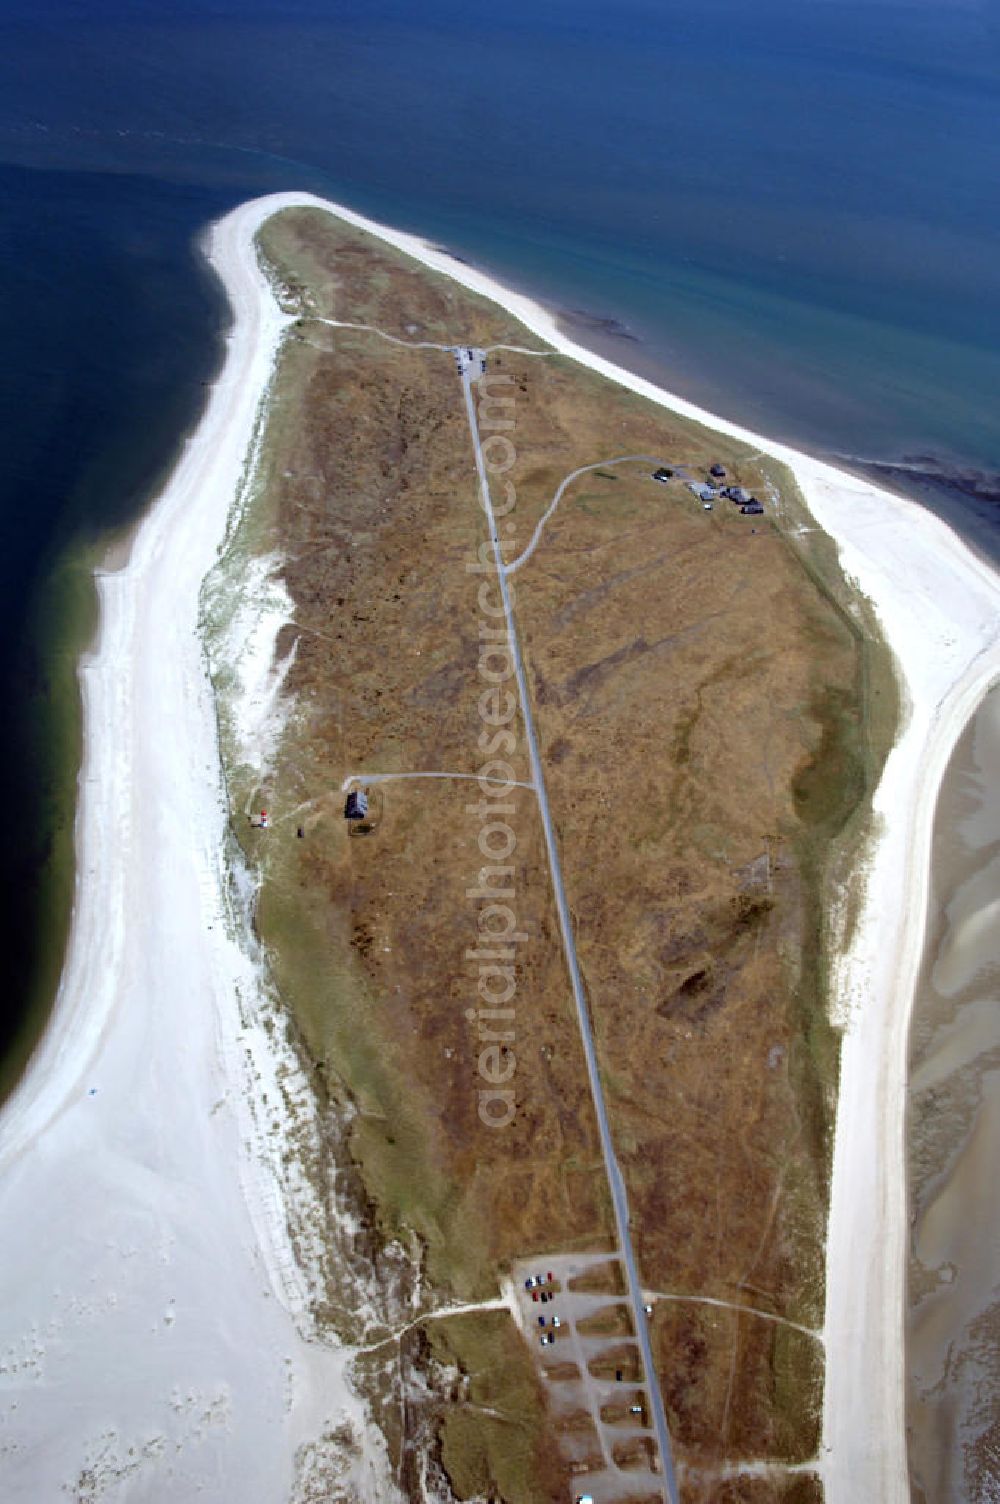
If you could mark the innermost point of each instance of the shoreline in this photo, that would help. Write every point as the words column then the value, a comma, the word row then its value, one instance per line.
column 158, row 1327
column 943, row 484
column 937, row 606
column 76, row 567
column 130, row 554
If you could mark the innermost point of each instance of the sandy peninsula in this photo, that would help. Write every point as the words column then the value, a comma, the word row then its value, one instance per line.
column 146, row 1241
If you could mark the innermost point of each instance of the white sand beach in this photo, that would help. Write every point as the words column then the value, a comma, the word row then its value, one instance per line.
column 152, row 1303
column 153, row 1337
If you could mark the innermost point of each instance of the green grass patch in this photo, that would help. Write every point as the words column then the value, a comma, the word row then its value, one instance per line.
column 797, row 1366
column 833, row 794
column 390, row 1136
column 494, row 1439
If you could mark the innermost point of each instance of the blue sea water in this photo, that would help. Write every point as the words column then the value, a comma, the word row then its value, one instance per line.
column 790, row 208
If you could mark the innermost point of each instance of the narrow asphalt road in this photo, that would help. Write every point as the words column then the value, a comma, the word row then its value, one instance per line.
column 615, row 1178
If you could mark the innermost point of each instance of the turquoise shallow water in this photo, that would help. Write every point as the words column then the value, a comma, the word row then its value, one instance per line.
column 786, row 211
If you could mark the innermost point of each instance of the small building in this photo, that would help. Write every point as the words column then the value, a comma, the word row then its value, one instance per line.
column 718, row 471
column 356, row 807
column 738, row 494
column 703, row 492
column 753, row 508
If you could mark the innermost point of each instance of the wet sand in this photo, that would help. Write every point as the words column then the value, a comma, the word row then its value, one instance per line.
column 953, row 1141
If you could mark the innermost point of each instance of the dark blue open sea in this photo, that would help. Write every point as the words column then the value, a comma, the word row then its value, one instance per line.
column 786, row 209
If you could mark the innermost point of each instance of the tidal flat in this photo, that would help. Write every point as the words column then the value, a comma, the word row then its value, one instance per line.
column 953, row 1316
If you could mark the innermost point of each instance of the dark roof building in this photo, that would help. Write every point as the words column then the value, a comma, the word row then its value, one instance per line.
column 753, row 508
column 717, row 470
column 356, row 807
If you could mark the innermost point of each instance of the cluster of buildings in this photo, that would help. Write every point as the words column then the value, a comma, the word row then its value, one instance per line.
column 709, row 491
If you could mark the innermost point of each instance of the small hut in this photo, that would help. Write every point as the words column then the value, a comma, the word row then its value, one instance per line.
column 356, row 807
